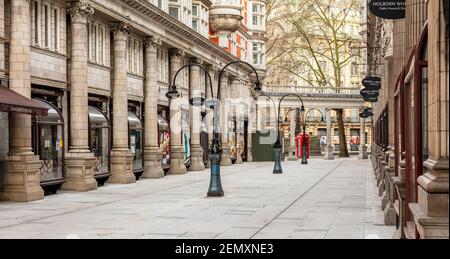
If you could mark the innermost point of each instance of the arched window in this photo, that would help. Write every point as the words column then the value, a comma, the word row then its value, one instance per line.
column 100, row 143
column 48, row 135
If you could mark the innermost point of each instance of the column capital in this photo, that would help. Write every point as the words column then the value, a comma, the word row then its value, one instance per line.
column 80, row 11
column 179, row 53
column 152, row 43
column 198, row 61
column 212, row 68
column 121, row 30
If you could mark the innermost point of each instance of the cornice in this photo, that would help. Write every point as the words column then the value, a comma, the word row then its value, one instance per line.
column 173, row 26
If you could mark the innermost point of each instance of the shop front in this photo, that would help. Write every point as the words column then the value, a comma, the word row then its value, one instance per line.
column 136, row 140
column 48, row 144
column 48, row 138
column 411, row 129
column 100, row 143
column 164, row 137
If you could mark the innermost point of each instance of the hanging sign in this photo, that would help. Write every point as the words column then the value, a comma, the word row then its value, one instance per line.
column 370, row 95
column 388, row 9
column 372, row 82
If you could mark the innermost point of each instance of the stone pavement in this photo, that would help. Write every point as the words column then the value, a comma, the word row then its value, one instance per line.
column 325, row 199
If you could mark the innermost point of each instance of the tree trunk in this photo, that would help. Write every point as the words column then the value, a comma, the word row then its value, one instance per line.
column 343, row 151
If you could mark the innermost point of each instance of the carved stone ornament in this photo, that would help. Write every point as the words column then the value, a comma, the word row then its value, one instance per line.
column 80, row 11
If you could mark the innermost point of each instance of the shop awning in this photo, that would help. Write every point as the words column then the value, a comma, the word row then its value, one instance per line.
column 11, row 101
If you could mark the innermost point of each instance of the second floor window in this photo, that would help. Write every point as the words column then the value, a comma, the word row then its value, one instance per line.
column 258, row 54
column 98, row 38
column 46, row 25
column 258, row 17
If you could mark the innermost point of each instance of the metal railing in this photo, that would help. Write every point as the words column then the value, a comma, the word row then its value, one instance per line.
column 313, row 90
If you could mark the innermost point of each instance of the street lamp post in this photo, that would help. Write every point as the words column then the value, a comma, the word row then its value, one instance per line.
column 304, row 146
column 277, row 146
column 215, row 151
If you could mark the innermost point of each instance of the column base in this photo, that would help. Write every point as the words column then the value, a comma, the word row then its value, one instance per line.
column 238, row 157
column 152, row 163
column 329, row 153
column 390, row 215
column 122, row 167
column 177, row 165
column 79, row 173
column 22, row 179
column 429, row 227
column 250, row 154
column 226, row 159
column 363, row 153
column 197, row 159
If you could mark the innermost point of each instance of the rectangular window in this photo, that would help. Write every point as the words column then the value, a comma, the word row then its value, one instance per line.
column 47, row 25
column 37, row 22
column 94, row 43
column 173, row 11
column 194, row 10
column 89, row 40
column 195, row 25
column 56, row 28
column 101, row 46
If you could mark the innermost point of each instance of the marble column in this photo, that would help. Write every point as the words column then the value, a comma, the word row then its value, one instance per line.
column 177, row 165
column 21, row 172
column 79, row 160
column 224, row 98
column 152, row 153
column 239, row 120
column 121, row 156
column 329, row 148
column 196, row 119
column 293, row 150
column 363, row 147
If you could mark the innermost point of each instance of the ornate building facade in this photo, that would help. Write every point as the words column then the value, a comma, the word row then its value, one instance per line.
column 411, row 118
column 102, row 70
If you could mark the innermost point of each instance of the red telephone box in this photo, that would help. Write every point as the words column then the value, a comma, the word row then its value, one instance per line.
column 299, row 142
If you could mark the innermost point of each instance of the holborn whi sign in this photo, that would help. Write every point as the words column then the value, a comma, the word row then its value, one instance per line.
column 388, row 9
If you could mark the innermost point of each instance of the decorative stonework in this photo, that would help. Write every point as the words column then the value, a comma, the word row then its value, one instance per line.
column 121, row 30
column 225, row 16
column 80, row 11
column 178, row 53
column 153, row 43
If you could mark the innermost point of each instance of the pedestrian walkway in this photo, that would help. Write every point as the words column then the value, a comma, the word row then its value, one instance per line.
column 325, row 199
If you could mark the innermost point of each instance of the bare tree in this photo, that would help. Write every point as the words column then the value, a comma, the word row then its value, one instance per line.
column 316, row 36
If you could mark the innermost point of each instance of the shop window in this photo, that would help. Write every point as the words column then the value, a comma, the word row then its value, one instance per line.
column 99, row 135
column 136, row 141
column 48, row 139
column 164, row 142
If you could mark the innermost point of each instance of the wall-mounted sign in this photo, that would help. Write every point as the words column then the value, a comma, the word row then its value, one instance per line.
column 370, row 95
column 388, row 9
column 372, row 82
column 365, row 115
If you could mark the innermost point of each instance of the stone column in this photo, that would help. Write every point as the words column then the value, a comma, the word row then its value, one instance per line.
column 152, row 153
column 238, row 113
column 329, row 148
column 79, row 160
column 250, row 135
column 363, row 148
column 22, row 176
column 196, row 119
column 293, row 150
column 121, row 156
column 224, row 98
column 177, row 165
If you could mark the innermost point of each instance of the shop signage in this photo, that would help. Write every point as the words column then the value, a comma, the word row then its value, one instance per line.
column 370, row 95
column 388, row 9
column 365, row 115
column 372, row 82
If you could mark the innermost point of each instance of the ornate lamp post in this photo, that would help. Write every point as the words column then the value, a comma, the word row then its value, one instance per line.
column 277, row 146
column 304, row 155
column 215, row 151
